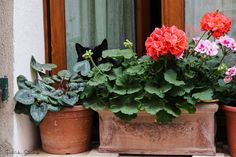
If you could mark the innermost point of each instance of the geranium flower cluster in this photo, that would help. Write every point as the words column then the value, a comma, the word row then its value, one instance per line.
column 230, row 73
column 206, row 47
column 217, row 23
column 227, row 42
column 164, row 40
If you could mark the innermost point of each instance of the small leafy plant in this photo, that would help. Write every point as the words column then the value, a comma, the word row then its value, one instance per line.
column 49, row 93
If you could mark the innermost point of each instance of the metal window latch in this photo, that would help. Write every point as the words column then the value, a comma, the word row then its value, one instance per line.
column 3, row 88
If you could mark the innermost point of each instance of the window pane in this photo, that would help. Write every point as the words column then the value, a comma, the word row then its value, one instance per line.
column 88, row 22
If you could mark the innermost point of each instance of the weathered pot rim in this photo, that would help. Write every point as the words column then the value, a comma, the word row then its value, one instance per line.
column 78, row 107
column 229, row 108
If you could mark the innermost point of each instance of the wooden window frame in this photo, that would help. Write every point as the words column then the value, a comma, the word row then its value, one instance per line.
column 55, row 29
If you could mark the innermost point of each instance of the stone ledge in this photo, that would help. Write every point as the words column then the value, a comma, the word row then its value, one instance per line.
column 92, row 153
column 95, row 153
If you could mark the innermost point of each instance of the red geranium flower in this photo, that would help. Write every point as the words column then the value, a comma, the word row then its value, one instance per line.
column 164, row 40
column 217, row 23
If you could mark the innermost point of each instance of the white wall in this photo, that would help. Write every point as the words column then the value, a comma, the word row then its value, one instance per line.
column 28, row 40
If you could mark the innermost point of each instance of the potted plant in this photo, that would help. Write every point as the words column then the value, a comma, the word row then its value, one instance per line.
column 52, row 102
column 148, row 94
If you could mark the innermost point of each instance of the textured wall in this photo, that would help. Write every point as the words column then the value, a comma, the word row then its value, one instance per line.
column 28, row 40
column 21, row 36
column 6, row 68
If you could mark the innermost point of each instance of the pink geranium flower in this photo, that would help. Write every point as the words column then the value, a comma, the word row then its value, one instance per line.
column 206, row 47
column 228, row 79
column 231, row 71
column 227, row 42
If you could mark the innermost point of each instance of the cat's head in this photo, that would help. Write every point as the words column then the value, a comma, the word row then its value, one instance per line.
column 97, row 51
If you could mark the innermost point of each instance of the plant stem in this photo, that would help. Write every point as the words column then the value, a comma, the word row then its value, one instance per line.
column 198, row 42
column 200, row 39
column 91, row 59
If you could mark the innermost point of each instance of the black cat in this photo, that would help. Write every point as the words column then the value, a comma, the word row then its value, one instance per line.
column 97, row 51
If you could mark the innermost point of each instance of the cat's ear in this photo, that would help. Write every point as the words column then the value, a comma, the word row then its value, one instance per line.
column 102, row 46
column 80, row 50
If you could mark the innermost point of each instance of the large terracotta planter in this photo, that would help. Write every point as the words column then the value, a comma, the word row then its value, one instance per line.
column 230, row 113
column 189, row 134
column 67, row 131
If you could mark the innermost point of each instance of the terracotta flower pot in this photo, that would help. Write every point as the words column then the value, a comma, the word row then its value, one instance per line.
column 189, row 134
column 67, row 131
column 230, row 113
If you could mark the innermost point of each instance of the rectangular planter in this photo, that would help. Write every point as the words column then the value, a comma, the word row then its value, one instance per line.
column 189, row 134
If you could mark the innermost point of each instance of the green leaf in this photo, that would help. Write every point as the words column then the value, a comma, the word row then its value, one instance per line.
column 94, row 103
column 21, row 82
column 69, row 101
column 41, row 97
column 170, row 76
column 204, row 95
column 188, row 107
column 163, row 117
column 65, row 74
column 119, row 90
column 160, row 91
column 82, row 67
column 54, row 108
column 154, row 106
column 97, row 80
column 125, row 104
column 115, row 73
column 135, row 70
column 133, row 88
column 25, row 97
column 35, row 65
column 105, row 67
column 56, row 78
column 130, row 109
column 177, row 91
column 117, row 53
column 38, row 112
column 125, row 117
column 48, row 80
column 49, row 66
column 190, row 100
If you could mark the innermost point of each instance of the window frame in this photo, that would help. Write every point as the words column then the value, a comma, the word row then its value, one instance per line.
column 55, row 29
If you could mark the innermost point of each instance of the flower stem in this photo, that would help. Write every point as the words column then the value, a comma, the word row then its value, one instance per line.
column 91, row 59
column 198, row 42
column 200, row 39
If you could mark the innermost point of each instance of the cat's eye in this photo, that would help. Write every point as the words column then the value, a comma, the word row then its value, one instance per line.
column 99, row 59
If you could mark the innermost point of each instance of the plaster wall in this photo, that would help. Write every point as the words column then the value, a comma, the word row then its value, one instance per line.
column 21, row 36
column 6, row 69
column 28, row 40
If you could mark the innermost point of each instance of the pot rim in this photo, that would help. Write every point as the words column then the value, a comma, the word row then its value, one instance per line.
column 229, row 108
column 77, row 107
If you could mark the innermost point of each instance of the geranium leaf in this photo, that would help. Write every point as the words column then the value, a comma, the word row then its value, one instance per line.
column 117, row 53
column 204, row 95
column 105, row 67
column 125, row 117
column 171, row 77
